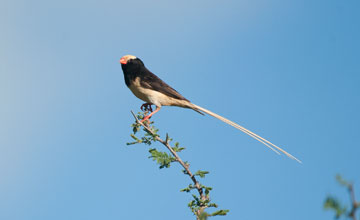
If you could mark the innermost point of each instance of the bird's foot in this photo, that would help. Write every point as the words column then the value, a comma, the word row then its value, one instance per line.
column 146, row 118
column 146, row 107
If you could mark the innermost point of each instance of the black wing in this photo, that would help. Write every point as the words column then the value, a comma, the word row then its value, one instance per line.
column 151, row 81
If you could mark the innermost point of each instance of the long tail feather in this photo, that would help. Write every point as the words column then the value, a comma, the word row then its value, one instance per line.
column 246, row 131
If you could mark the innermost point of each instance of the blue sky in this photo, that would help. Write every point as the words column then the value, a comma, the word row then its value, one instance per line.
column 287, row 70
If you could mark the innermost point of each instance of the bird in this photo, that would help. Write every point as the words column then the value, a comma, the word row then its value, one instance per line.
column 146, row 86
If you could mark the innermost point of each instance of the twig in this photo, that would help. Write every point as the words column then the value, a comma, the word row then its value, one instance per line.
column 178, row 159
column 354, row 203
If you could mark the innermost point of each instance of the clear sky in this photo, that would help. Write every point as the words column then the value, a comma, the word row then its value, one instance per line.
column 287, row 70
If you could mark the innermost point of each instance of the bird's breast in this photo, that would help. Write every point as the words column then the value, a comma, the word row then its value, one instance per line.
column 138, row 90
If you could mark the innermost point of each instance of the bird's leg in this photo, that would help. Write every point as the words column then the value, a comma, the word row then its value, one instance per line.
column 148, row 116
column 146, row 107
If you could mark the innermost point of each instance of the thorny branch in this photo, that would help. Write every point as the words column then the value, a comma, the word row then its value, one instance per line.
column 178, row 159
column 334, row 204
column 354, row 204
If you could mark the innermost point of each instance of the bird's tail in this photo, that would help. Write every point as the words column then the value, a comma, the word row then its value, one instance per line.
column 246, row 131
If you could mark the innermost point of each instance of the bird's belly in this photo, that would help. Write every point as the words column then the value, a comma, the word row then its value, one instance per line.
column 155, row 97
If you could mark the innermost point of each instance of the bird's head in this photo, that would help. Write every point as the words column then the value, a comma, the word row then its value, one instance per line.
column 130, row 64
column 130, row 59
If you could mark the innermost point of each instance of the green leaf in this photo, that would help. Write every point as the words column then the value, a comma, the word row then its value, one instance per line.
column 342, row 181
column 213, row 205
column 197, row 199
column 207, row 190
column 162, row 158
column 201, row 173
column 334, row 204
column 220, row 212
column 136, row 128
column 204, row 202
column 191, row 203
column 188, row 189
column 137, row 140
column 178, row 149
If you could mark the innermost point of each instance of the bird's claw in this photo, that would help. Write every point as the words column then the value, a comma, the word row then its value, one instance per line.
column 146, row 107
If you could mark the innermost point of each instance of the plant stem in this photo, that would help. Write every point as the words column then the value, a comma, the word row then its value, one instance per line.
column 179, row 160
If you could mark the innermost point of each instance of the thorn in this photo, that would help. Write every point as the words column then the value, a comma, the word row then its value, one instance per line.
column 167, row 139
